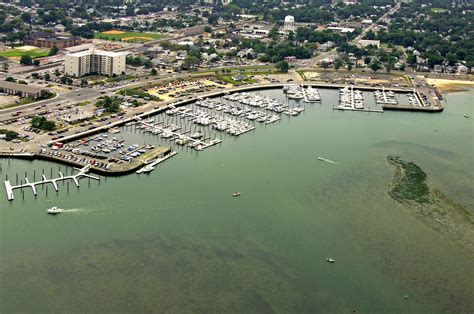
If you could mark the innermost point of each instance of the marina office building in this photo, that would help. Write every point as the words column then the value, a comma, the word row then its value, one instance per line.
column 94, row 61
column 22, row 90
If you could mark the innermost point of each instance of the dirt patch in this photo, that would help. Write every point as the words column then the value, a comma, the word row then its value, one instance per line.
column 113, row 32
column 136, row 37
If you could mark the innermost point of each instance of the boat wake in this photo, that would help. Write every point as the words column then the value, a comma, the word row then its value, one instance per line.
column 327, row 160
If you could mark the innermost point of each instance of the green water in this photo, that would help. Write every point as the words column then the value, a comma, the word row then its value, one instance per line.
column 176, row 241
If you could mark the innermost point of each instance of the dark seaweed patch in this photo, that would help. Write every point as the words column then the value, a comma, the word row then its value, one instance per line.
column 410, row 182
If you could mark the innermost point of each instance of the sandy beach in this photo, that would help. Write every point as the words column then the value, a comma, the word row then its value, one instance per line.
column 450, row 86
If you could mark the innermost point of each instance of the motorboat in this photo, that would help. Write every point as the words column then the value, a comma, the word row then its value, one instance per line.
column 235, row 194
column 196, row 135
column 467, row 115
column 146, row 169
column 55, row 210
column 330, row 260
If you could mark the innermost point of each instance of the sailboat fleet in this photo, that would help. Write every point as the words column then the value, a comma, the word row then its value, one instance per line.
column 309, row 94
column 264, row 102
column 385, row 97
column 350, row 99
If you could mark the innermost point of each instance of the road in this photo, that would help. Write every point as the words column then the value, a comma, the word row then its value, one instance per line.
column 356, row 40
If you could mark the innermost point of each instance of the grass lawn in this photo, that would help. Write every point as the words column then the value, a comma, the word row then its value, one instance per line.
column 35, row 53
column 128, row 36
column 228, row 79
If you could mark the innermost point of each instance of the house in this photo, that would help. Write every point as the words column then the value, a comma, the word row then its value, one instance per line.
column 462, row 69
column 365, row 43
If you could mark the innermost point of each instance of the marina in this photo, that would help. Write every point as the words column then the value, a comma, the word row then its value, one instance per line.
column 196, row 125
column 353, row 100
column 294, row 211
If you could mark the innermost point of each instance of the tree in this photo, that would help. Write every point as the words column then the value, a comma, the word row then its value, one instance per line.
column 46, row 76
column 84, row 82
column 54, row 50
column 26, row 17
column 324, row 64
column 153, row 71
column 338, row 64
column 213, row 19
column 282, row 66
column 26, row 60
column 5, row 67
column 291, row 36
column 208, row 29
column 375, row 65
column 36, row 62
column 10, row 79
column 367, row 60
column 42, row 123
column 273, row 33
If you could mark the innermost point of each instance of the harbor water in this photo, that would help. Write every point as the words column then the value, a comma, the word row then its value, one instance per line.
column 175, row 240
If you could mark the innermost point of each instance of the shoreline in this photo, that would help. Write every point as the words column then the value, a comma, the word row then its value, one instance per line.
column 451, row 86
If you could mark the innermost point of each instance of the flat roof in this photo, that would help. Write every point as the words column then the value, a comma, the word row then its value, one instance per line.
column 21, row 87
column 98, row 52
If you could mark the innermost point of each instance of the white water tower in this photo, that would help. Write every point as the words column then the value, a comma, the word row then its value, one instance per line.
column 289, row 23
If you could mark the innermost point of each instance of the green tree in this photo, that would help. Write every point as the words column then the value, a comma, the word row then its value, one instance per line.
column 42, row 123
column 36, row 62
column 46, row 76
column 53, row 51
column 375, row 65
column 338, row 64
column 26, row 60
column 282, row 66
column 153, row 71
column 291, row 36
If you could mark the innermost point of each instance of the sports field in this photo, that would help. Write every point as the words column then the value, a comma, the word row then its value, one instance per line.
column 116, row 35
column 18, row 52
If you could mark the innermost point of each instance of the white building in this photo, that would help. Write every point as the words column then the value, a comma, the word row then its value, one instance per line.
column 94, row 61
column 289, row 23
column 366, row 42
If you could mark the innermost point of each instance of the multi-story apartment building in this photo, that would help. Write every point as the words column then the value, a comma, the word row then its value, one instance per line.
column 94, row 62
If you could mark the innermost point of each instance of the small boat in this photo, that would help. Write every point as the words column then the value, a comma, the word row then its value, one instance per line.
column 235, row 194
column 330, row 260
column 54, row 210
column 321, row 158
column 145, row 169
column 467, row 115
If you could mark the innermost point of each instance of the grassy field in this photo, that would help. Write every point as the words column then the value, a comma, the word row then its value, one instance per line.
column 128, row 36
column 17, row 53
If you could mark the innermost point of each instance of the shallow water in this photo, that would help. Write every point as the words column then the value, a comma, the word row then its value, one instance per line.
column 177, row 241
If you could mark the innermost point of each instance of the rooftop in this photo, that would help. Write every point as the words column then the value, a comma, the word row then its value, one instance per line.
column 21, row 87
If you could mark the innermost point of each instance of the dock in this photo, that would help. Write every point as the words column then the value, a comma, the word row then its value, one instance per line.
column 195, row 143
column 82, row 173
